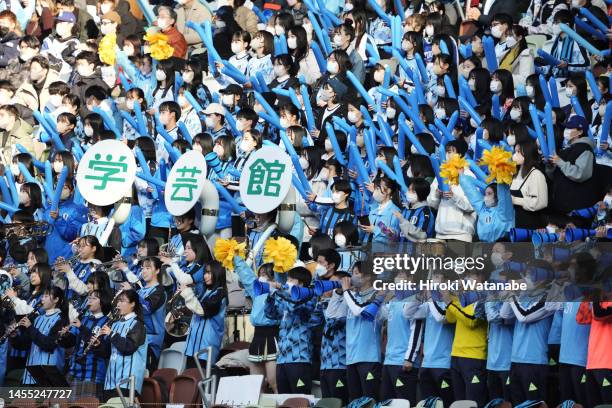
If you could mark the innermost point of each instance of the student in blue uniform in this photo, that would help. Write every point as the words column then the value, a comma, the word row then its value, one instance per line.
column 498, row 358
column 191, row 269
column 90, row 252
column 402, row 353
column 262, row 350
column 293, row 362
column 363, row 334
column 416, row 220
column 43, row 332
column 87, row 370
column 335, row 210
column 208, row 307
column 330, row 312
column 128, row 344
column 153, row 300
column 383, row 226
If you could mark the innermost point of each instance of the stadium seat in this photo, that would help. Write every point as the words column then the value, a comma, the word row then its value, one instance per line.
column 84, row 402
column 296, row 402
column 114, row 402
column 151, row 392
column 329, row 403
column 179, row 345
column 535, row 41
column 398, row 403
column 23, row 403
column 464, row 404
column 168, row 374
column 170, row 358
column 184, row 390
column 193, row 372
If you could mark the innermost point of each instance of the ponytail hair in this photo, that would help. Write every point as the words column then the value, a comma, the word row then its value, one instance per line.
column 62, row 303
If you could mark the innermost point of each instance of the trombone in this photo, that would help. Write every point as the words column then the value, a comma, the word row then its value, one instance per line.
column 178, row 319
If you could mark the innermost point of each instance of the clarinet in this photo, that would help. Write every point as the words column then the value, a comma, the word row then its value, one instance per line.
column 30, row 316
column 65, row 330
column 112, row 317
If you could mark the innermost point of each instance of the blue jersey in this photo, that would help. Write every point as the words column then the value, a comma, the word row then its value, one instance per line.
column 44, row 350
column 295, row 345
column 128, row 352
column 574, row 337
column 363, row 336
column 153, row 301
column 331, row 313
column 82, row 271
column 207, row 330
column 132, row 231
column 438, row 339
column 403, row 336
column 554, row 335
column 423, row 218
column 65, row 229
column 330, row 216
column 247, row 278
column 20, row 344
column 93, row 366
column 500, row 338
column 386, row 225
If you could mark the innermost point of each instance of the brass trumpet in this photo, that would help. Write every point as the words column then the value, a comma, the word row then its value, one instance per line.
column 178, row 319
column 72, row 261
column 22, row 230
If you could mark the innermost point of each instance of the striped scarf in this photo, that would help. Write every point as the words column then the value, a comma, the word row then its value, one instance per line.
column 562, row 50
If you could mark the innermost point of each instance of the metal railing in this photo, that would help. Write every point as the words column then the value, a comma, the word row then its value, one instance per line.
column 131, row 380
column 208, row 379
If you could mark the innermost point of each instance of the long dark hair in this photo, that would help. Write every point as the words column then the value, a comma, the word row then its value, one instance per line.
column 105, row 300
column 132, row 297
column 93, row 241
column 43, row 271
column 199, row 246
column 62, row 303
column 36, row 202
column 529, row 150
column 218, row 273
column 579, row 81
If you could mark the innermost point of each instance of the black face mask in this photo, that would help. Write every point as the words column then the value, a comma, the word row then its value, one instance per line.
column 4, row 31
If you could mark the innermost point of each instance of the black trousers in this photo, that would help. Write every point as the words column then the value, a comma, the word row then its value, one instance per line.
column 436, row 382
column 599, row 387
column 469, row 377
column 294, row 378
column 498, row 384
column 528, row 382
column 397, row 383
column 572, row 383
column 334, row 384
column 363, row 380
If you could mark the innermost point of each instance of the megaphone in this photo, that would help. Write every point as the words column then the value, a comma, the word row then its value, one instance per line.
column 587, row 213
column 578, row 234
column 322, row 286
column 467, row 298
column 300, row 293
column 520, row 234
column 261, row 288
column 538, row 238
column 371, row 310
column 512, row 266
column 539, row 274
column 561, row 254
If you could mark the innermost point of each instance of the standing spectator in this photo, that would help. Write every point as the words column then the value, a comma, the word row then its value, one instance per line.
column 191, row 10
column 8, row 38
column 166, row 20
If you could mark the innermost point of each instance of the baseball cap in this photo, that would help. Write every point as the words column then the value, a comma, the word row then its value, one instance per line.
column 214, row 108
column 66, row 17
column 576, row 122
column 232, row 89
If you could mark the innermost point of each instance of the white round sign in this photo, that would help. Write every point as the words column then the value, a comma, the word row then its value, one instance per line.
column 265, row 179
column 185, row 183
column 106, row 172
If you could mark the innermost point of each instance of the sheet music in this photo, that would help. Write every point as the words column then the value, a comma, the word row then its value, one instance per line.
column 239, row 390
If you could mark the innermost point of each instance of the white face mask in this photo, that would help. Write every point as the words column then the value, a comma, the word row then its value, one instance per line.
column 129, row 104
column 245, row 146
column 378, row 196
column 569, row 92
column 105, row 8
column 510, row 42
column 496, row 31
column 601, row 110
column 292, row 43
column 337, row 198
column 197, row 147
column 324, row 95
column 440, row 90
column 490, row 201
column 279, row 71
column 228, row 99
column 472, row 84
column 340, row 240
column 160, row 75
column 23, row 198
column 263, row 279
column 440, row 113
column 473, row 123
column 497, row 259
column 576, row 4
column 304, row 163
column 413, row 150
column 511, row 140
column 58, row 166
column 530, row 91
column 107, row 29
column 320, row 270
column 210, row 122
column 332, row 67
column 338, row 40
column 88, row 130
column 188, row 77
column 284, row 123
column 55, row 100
column 237, row 48
column 278, row 30
column 15, row 169
column 556, row 29
column 567, row 134
column 63, row 30
column 515, row 115
column 163, row 24
column 495, row 86
column 220, row 24
column 429, row 31
column 379, row 76
column 352, row 117
column 518, row 158
column 219, row 150
column 391, row 112
column 328, row 146
column 182, row 101
column 348, row 6
column 411, row 197
column 608, row 200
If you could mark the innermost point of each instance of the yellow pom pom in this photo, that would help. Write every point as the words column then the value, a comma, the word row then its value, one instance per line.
column 226, row 249
column 449, row 170
column 281, row 252
column 106, row 49
column 500, row 164
column 160, row 49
